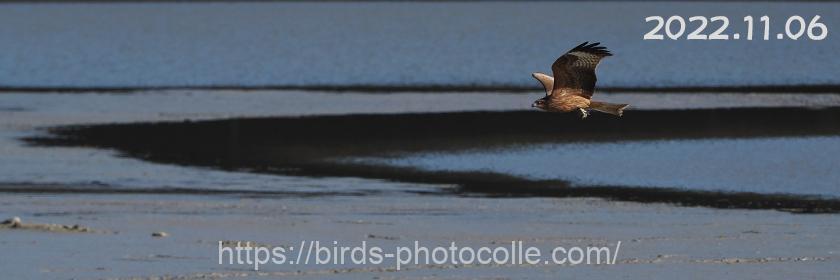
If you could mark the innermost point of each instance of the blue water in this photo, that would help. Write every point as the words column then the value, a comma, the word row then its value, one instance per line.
column 807, row 165
column 439, row 43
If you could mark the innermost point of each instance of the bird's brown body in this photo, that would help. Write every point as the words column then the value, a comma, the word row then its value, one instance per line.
column 567, row 103
column 573, row 83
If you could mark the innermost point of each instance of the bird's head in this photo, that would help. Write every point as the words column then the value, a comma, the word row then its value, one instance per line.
column 540, row 103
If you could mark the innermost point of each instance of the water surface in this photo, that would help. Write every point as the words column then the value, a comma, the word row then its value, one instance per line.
column 364, row 43
column 791, row 165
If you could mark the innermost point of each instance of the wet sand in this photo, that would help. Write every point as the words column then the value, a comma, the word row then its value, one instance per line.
column 658, row 240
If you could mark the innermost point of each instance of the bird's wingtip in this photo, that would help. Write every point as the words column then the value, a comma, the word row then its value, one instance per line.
column 593, row 48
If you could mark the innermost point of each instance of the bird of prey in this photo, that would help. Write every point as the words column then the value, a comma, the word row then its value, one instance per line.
column 573, row 83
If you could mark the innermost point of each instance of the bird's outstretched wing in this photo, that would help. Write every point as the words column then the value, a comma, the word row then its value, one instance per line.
column 574, row 72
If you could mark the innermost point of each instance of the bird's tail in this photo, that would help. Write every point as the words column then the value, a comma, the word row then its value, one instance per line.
column 609, row 108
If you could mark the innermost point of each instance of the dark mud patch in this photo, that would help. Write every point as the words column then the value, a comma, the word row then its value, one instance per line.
column 15, row 223
column 29, row 188
column 12, row 109
column 429, row 88
column 308, row 146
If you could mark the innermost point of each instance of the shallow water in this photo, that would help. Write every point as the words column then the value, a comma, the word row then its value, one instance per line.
column 68, row 169
column 795, row 165
column 340, row 43
column 27, row 113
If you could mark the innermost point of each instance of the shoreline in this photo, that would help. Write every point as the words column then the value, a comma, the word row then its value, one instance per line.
column 383, row 89
column 309, row 146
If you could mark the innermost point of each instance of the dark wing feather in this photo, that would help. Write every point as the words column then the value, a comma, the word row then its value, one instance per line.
column 574, row 72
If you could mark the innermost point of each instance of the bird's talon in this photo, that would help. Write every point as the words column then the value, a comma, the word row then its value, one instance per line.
column 583, row 113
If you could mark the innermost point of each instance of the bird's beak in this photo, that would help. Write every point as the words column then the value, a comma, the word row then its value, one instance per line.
column 534, row 105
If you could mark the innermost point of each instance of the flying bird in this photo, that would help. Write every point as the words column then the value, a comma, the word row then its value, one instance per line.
column 573, row 83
